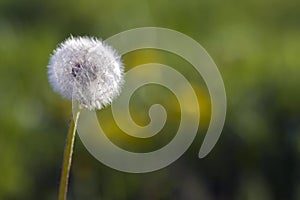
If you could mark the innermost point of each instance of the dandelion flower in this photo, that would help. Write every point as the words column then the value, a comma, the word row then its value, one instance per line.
column 87, row 70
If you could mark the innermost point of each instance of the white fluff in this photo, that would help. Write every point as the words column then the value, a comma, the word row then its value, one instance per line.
column 87, row 70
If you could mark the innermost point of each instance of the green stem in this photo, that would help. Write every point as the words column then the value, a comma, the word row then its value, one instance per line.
column 64, row 179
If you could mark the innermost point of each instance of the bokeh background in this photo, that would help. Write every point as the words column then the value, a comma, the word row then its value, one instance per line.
column 256, row 46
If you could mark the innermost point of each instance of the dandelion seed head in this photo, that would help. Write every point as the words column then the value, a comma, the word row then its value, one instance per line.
column 87, row 70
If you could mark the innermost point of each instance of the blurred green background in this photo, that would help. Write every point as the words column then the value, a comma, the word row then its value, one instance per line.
column 256, row 46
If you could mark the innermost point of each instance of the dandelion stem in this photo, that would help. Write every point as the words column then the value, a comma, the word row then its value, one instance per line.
column 64, row 179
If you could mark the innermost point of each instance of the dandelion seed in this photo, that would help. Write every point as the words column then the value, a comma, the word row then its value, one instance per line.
column 87, row 70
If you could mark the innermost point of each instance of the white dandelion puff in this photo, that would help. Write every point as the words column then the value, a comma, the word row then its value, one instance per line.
column 87, row 70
